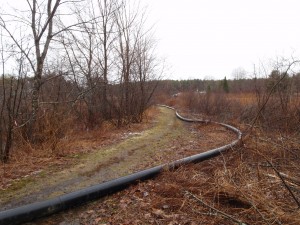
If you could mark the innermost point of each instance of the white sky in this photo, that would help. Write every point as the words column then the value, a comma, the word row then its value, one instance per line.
column 210, row 38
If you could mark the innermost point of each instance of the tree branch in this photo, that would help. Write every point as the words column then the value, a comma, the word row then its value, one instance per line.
column 216, row 210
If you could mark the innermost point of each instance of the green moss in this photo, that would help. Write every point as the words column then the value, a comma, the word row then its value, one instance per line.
column 17, row 185
column 21, row 183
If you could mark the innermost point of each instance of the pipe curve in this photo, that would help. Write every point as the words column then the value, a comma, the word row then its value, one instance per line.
column 36, row 210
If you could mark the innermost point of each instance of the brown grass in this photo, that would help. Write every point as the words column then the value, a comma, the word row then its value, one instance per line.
column 239, row 184
column 27, row 159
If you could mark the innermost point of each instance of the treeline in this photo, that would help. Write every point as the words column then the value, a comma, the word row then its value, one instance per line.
column 289, row 82
column 72, row 65
column 272, row 102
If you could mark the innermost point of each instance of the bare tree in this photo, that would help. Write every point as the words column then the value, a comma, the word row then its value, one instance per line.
column 99, row 67
column 129, row 27
column 11, row 96
column 238, row 74
column 105, row 36
column 267, row 101
column 41, row 20
column 145, row 68
column 88, row 59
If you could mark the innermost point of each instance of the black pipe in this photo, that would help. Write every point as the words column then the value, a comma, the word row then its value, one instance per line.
column 32, row 211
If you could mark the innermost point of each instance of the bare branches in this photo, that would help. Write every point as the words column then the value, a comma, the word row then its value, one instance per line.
column 271, row 91
column 93, row 65
column 17, row 43
column 282, row 179
column 214, row 209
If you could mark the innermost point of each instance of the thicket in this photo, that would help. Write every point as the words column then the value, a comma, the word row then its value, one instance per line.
column 272, row 100
column 72, row 65
column 257, row 182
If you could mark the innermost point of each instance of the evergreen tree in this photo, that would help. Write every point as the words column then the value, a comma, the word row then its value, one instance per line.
column 225, row 85
column 208, row 89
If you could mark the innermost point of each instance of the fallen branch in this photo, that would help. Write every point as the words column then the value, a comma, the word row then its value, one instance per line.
column 291, row 179
column 216, row 210
column 282, row 180
column 292, row 184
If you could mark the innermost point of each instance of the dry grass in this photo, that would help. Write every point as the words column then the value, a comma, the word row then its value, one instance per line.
column 261, row 179
column 275, row 115
column 243, row 98
column 29, row 159
column 255, row 183
column 236, row 187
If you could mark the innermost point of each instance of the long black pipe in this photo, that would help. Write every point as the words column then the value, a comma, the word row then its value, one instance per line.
column 36, row 210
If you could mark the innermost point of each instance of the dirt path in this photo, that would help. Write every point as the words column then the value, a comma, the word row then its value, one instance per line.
column 167, row 140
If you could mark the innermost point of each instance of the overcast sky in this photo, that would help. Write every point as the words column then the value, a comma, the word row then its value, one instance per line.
column 211, row 38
